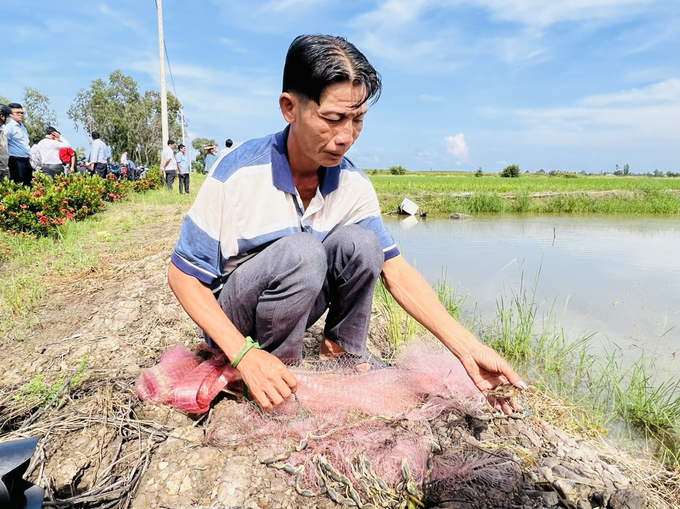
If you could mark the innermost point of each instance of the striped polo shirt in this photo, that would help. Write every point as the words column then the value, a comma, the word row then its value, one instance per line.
column 249, row 200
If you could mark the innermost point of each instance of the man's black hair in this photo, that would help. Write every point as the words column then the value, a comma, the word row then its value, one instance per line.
column 228, row 143
column 95, row 135
column 171, row 142
column 15, row 106
column 180, row 146
column 316, row 61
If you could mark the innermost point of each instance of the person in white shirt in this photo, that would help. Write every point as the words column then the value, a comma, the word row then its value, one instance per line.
column 169, row 164
column 36, row 163
column 48, row 152
column 5, row 112
column 124, row 159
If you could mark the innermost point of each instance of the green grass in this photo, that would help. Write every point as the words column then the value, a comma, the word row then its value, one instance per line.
column 80, row 247
column 462, row 192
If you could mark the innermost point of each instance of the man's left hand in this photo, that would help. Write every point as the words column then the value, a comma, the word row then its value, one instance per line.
column 489, row 370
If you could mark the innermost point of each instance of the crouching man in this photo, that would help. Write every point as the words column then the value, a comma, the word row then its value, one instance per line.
column 286, row 228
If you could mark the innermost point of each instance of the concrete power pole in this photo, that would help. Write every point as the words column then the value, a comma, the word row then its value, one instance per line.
column 164, row 92
column 184, row 138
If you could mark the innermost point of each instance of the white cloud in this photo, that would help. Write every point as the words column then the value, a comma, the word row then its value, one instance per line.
column 547, row 12
column 457, row 146
column 288, row 6
column 641, row 118
column 667, row 91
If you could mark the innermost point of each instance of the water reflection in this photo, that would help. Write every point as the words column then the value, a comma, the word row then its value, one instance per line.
column 620, row 275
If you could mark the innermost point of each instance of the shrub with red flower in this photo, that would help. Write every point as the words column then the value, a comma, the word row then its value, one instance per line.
column 51, row 203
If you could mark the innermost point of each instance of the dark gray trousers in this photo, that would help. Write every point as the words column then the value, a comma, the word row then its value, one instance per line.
column 170, row 178
column 278, row 294
column 52, row 170
column 183, row 183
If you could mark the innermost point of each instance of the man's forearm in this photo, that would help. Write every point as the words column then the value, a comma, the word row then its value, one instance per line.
column 200, row 304
column 413, row 293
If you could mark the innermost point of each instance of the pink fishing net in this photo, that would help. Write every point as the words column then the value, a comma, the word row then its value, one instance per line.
column 383, row 416
column 185, row 380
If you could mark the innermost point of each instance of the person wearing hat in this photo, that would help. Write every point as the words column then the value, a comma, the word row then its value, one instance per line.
column 17, row 144
column 210, row 157
column 5, row 112
column 48, row 152
column 169, row 164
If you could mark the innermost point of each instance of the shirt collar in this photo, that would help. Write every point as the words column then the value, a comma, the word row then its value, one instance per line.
column 282, row 175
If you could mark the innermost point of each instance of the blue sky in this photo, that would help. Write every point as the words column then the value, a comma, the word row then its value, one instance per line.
column 569, row 85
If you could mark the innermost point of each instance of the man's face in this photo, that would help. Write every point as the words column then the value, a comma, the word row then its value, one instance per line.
column 324, row 132
column 18, row 115
column 183, row 150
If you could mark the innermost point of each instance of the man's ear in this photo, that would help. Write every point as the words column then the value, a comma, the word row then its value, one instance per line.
column 290, row 106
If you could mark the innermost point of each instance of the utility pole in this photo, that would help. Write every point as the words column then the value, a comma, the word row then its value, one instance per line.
column 164, row 92
column 184, row 139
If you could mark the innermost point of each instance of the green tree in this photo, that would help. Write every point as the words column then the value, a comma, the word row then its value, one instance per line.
column 39, row 115
column 626, row 169
column 398, row 170
column 479, row 172
column 199, row 161
column 511, row 171
column 126, row 119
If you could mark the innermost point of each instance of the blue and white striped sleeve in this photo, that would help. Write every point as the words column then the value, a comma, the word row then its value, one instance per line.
column 207, row 238
column 367, row 213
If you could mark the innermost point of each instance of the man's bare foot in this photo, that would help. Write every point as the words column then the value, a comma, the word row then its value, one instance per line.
column 330, row 350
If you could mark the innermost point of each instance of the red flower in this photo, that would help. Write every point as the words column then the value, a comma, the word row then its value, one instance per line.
column 45, row 220
column 24, row 206
column 37, row 193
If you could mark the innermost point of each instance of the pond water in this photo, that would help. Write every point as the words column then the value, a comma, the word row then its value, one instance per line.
column 619, row 277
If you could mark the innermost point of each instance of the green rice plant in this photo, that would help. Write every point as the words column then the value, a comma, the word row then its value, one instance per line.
column 449, row 297
column 515, row 318
column 641, row 399
column 401, row 327
column 462, row 192
column 523, row 203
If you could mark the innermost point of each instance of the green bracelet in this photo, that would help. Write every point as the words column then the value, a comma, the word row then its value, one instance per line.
column 249, row 344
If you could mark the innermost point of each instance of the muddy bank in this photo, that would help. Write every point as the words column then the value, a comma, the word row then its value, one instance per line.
column 101, row 447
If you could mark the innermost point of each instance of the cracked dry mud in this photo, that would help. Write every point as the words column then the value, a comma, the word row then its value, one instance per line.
column 102, row 448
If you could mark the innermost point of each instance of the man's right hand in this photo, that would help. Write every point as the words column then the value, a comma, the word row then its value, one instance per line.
column 269, row 381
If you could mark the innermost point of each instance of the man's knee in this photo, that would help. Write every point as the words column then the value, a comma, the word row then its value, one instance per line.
column 302, row 253
column 361, row 244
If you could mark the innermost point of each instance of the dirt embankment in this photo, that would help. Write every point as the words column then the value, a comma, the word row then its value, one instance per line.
column 101, row 447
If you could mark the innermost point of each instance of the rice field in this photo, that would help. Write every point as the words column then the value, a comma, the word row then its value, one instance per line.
column 442, row 193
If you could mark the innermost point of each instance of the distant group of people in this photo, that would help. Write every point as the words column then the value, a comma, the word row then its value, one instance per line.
column 51, row 154
column 175, row 166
